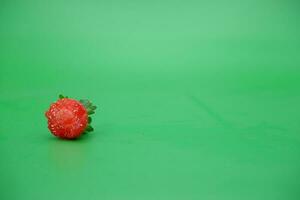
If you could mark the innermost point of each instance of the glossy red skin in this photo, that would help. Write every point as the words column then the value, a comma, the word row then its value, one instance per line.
column 67, row 118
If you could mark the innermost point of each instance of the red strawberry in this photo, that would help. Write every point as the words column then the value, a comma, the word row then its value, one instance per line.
column 69, row 118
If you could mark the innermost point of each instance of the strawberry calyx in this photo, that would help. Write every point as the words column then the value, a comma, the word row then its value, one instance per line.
column 90, row 109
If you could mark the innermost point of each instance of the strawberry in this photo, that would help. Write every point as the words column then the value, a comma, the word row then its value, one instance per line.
column 69, row 118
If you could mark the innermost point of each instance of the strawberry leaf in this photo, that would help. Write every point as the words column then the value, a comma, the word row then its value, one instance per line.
column 89, row 128
column 90, row 108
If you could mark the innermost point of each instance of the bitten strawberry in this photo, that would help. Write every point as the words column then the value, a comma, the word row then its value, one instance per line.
column 69, row 118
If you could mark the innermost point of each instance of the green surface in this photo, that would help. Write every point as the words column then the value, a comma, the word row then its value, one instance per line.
column 197, row 99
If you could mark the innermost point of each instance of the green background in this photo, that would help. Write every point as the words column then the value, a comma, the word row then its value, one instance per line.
column 197, row 99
